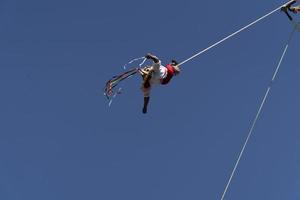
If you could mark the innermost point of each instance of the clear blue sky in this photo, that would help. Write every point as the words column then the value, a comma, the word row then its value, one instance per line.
column 59, row 140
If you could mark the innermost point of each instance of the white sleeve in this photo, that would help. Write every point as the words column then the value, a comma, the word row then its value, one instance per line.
column 156, row 66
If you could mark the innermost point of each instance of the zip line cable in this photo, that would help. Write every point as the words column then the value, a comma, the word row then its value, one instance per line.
column 233, row 34
column 259, row 112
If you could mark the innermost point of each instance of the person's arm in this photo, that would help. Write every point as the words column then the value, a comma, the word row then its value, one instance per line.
column 289, row 5
column 152, row 57
column 295, row 9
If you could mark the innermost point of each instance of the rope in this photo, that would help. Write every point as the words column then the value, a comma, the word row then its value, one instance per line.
column 258, row 113
column 233, row 34
column 135, row 59
column 296, row 25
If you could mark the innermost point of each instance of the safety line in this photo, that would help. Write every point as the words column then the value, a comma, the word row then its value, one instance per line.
column 258, row 114
column 233, row 34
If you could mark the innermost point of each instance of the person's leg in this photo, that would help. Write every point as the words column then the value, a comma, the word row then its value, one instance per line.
column 146, row 92
column 146, row 82
column 146, row 102
column 146, row 79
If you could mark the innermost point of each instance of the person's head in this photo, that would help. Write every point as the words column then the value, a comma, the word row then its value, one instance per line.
column 176, row 67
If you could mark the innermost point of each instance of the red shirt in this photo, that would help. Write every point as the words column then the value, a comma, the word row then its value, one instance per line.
column 170, row 74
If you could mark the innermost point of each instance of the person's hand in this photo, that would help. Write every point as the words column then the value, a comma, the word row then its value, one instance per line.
column 174, row 62
column 148, row 56
column 294, row 10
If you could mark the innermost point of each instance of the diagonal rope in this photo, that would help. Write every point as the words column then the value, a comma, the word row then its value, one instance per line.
column 258, row 113
column 233, row 34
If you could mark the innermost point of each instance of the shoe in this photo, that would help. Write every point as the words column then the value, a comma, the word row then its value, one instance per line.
column 144, row 110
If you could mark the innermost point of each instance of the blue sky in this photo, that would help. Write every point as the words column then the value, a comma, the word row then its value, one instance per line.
column 59, row 139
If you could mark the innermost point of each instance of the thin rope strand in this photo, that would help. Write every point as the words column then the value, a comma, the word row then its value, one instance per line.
column 233, row 34
column 257, row 115
column 296, row 25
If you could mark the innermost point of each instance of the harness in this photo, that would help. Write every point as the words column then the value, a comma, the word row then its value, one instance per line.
column 170, row 74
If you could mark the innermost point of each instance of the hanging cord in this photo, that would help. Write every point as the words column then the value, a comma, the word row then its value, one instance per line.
column 296, row 25
column 134, row 60
column 233, row 34
column 258, row 113
column 111, row 84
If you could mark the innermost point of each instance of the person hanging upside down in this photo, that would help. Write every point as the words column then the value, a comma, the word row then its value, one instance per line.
column 156, row 74
column 289, row 7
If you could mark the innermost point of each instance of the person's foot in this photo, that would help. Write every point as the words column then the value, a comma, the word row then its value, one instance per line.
column 144, row 110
